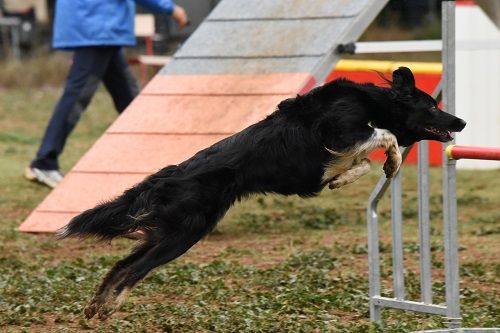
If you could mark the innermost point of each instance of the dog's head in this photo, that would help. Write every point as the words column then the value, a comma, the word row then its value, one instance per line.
column 416, row 115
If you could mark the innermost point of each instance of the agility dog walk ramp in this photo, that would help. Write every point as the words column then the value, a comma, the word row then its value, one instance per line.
column 236, row 67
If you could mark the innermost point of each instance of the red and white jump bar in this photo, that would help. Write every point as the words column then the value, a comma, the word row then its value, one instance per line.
column 457, row 152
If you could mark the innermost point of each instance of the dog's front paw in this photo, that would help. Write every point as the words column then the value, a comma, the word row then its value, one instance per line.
column 390, row 169
column 393, row 162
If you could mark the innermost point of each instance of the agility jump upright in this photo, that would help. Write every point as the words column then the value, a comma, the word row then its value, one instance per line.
column 451, row 309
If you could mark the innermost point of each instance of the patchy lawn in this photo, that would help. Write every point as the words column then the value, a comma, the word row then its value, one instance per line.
column 274, row 264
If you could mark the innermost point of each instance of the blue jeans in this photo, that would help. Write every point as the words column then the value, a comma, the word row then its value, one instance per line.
column 90, row 66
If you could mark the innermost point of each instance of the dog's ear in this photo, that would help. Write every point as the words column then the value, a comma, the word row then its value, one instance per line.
column 286, row 104
column 403, row 80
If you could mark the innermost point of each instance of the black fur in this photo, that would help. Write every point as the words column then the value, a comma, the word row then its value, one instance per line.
column 284, row 153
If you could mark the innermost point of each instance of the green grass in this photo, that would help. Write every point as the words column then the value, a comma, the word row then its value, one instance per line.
column 274, row 264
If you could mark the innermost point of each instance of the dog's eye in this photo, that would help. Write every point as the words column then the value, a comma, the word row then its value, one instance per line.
column 434, row 109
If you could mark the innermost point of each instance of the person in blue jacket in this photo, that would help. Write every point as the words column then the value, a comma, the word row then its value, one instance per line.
column 96, row 31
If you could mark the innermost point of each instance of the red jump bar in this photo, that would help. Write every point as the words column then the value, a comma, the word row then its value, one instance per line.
column 476, row 153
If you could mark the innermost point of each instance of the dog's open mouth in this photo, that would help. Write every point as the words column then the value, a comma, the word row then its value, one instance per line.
column 443, row 135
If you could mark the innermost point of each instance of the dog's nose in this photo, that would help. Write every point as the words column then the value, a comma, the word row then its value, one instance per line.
column 461, row 124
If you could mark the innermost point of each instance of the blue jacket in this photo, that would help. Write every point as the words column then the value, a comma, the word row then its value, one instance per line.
column 99, row 22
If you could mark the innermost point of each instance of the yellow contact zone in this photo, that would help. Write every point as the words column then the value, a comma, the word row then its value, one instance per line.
column 388, row 66
column 449, row 151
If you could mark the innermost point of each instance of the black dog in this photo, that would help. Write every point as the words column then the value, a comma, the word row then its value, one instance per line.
column 320, row 138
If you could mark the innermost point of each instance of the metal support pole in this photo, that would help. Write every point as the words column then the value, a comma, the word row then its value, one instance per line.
column 373, row 249
column 449, row 173
column 397, row 238
column 424, row 222
column 423, row 214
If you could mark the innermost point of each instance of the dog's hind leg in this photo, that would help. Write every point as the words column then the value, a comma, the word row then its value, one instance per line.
column 351, row 175
column 160, row 254
column 114, row 276
column 127, row 272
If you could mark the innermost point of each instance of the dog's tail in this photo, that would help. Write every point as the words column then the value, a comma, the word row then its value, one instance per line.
column 123, row 215
column 104, row 222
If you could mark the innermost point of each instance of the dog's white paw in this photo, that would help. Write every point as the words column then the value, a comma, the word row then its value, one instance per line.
column 393, row 162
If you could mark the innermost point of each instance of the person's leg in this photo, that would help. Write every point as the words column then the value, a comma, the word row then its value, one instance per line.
column 88, row 68
column 119, row 81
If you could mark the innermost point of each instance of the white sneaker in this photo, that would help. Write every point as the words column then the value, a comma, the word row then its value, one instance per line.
column 47, row 177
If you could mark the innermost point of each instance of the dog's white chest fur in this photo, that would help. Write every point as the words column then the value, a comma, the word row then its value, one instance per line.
column 353, row 163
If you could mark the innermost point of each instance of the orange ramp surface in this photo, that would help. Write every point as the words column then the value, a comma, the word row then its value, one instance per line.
column 171, row 120
column 232, row 72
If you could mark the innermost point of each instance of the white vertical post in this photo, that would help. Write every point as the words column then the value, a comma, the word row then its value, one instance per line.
column 397, row 238
column 373, row 248
column 449, row 172
column 424, row 222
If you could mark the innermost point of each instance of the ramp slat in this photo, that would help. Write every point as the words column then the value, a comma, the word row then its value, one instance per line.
column 259, row 39
column 230, row 84
column 194, row 114
column 192, row 66
column 45, row 221
column 80, row 191
column 142, row 153
column 292, row 9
